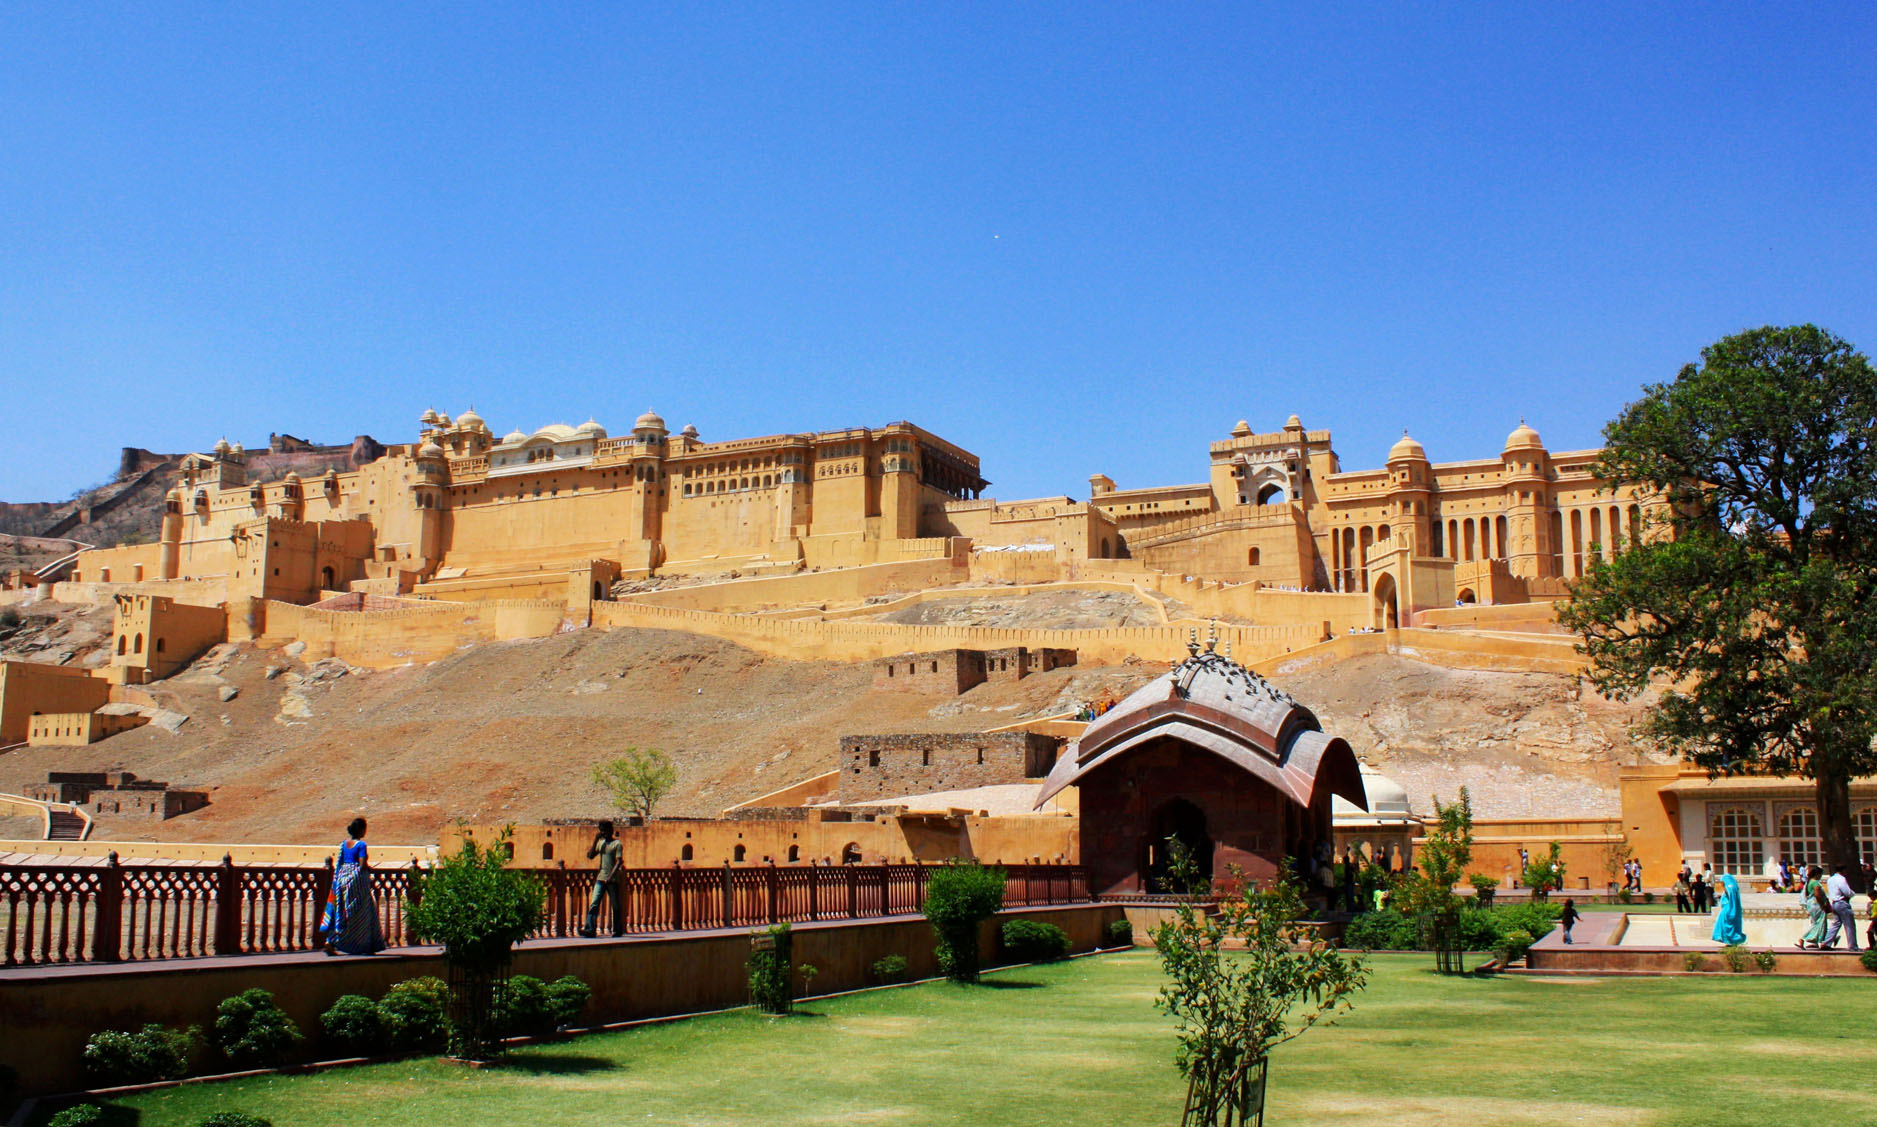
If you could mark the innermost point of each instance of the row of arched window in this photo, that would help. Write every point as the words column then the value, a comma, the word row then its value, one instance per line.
column 1737, row 840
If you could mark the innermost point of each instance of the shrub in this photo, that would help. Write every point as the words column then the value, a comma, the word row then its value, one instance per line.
column 478, row 909
column 1869, row 959
column 771, row 985
column 235, row 1119
column 79, row 1115
column 1735, row 956
column 1648, row 898
column 1766, row 961
column 566, row 997
column 1513, row 945
column 1624, row 896
column 252, row 1031
column 1121, row 933
column 356, row 1024
column 1386, row 930
column 1694, row 960
column 524, row 1007
column 892, row 968
column 1481, row 882
column 1031, row 941
column 416, row 1013
column 958, row 897
column 150, row 1054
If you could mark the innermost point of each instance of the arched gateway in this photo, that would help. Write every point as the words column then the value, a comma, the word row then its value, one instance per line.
column 1214, row 755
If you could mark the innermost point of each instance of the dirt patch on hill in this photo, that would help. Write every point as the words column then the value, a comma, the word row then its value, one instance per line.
column 1048, row 610
column 1524, row 744
column 56, row 634
column 510, row 731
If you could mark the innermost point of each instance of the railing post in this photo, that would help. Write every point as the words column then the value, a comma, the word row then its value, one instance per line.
column 728, row 914
column 322, row 888
column 107, row 928
column 814, row 890
column 227, row 908
column 414, row 892
column 918, row 885
column 886, row 890
column 775, row 891
column 677, row 896
column 853, row 891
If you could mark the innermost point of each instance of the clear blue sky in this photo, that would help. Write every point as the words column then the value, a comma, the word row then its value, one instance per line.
column 1073, row 239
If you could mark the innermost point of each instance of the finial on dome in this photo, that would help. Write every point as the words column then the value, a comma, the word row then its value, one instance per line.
column 1192, row 640
column 1212, row 635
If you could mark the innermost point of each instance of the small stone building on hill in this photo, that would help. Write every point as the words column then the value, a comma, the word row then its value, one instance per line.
column 879, row 767
column 951, row 672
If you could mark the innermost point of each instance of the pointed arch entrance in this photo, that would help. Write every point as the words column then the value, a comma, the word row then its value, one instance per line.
column 1387, row 603
column 1177, row 820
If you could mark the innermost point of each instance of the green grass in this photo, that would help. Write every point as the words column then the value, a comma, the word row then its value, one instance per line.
column 1081, row 1043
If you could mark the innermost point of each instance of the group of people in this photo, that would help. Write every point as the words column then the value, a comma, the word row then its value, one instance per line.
column 1632, row 875
column 1828, row 906
column 1694, row 891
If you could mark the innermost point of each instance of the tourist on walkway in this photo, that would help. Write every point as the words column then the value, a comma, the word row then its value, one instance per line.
column 605, row 882
column 1838, row 891
column 1683, row 893
column 1569, row 917
column 1728, row 917
column 1817, row 908
column 1702, row 890
column 351, row 923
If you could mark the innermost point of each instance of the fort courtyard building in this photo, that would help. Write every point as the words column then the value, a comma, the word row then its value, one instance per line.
column 460, row 503
column 1215, row 757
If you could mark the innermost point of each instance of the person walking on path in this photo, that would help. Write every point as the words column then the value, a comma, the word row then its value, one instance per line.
column 605, row 882
column 1838, row 892
column 1729, row 929
column 1682, row 892
column 1569, row 917
column 1817, row 909
column 350, row 926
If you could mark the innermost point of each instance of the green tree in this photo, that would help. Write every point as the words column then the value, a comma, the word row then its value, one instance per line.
column 1545, row 875
column 1231, row 1008
column 478, row 909
column 959, row 897
column 1442, row 862
column 1753, row 596
column 637, row 780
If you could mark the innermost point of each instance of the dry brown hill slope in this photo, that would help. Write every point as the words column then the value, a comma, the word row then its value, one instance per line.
column 510, row 731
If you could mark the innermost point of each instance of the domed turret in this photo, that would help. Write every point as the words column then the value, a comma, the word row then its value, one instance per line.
column 1241, row 429
column 469, row 420
column 590, row 429
column 649, row 421
column 690, row 431
column 1408, row 449
column 514, row 436
column 291, row 478
column 1524, row 438
column 429, row 451
column 222, row 447
column 429, row 417
column 1293, row 423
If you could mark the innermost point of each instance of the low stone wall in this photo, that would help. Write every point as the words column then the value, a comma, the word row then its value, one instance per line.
column 803, row 639
column 418, row 632
column 847, row 585
column 46, row 1015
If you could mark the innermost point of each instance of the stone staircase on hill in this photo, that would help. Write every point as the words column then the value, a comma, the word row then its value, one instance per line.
column 64, row 825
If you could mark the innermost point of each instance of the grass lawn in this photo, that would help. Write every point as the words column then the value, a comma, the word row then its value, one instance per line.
column 1081, row 1043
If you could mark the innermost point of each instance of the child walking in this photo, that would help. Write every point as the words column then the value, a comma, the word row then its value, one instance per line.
column 1569, row 918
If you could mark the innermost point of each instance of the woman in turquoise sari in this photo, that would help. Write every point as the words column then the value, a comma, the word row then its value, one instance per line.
column 351, row 923
column 1816, row 909
column 1727, row 916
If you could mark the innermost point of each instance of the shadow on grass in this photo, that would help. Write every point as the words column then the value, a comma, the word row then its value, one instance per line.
column 1008, row 984
column 556, row 1064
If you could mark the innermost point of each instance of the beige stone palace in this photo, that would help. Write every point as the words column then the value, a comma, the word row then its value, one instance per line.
column 564, row 511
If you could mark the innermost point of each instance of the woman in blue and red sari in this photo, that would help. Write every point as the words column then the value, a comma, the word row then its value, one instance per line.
column 351, row 923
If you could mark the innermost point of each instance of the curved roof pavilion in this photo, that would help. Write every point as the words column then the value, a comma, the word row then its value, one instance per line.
column 1211, row 702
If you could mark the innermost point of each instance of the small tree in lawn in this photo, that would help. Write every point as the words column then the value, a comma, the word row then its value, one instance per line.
column 959, row 897
column 637, row 780
column 1545, row 875
column 478, row 909
column 1232, row 1008
column 1443, row 862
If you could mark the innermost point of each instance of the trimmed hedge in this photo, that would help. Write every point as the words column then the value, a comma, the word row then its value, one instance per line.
column 1481, row 929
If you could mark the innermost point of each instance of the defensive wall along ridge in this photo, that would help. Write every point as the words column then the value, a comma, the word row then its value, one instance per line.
column 866, row 641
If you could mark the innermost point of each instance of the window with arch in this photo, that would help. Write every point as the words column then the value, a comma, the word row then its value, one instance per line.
column 122, row 643
column 1865, row 821
column 547, row 851
column 795, row 853
column 1735, row 840
column 741, row 853
column 1798, row 837
column 136, row 644
column 686, row 854
column 1251, row 557
column 850, row 853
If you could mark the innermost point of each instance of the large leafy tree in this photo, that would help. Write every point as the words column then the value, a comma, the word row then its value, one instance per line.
column 1753, row 596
